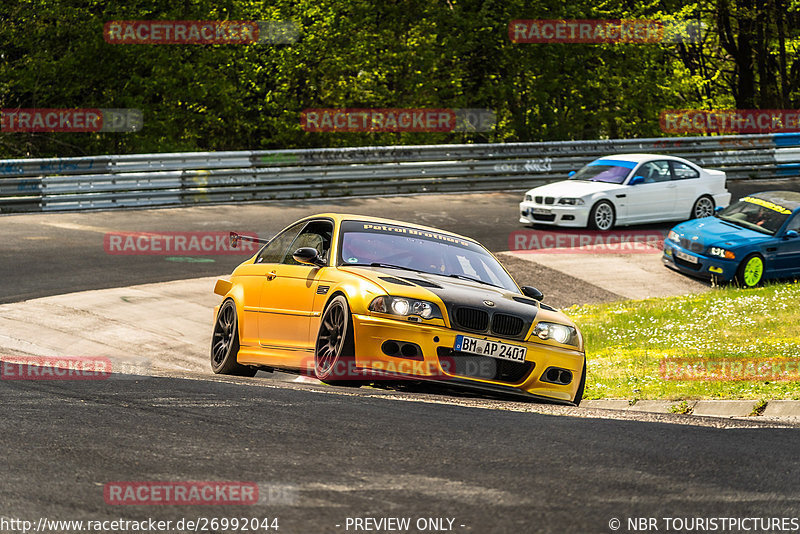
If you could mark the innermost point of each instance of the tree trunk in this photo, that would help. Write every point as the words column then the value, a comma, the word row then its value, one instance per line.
column 740, row 49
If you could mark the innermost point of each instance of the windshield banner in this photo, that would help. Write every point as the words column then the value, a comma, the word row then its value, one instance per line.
column 410, row 232
column 767, row 204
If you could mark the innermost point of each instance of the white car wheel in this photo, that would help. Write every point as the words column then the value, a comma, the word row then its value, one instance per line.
column 703, row 207
column 602, row 216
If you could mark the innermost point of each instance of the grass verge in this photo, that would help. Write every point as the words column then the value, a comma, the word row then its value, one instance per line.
column 724, row 344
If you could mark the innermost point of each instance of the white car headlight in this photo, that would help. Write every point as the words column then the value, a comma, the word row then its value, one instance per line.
column 528, row 198
column 400, row 306
column 557, row 332
column 673, row 236
column 571, row 201
column 405, row 307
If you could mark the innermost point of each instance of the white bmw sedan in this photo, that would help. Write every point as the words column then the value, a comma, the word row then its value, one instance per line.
column 627, row 189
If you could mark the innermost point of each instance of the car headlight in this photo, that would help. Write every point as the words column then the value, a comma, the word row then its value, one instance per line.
column 722, row 253
column 571, row 201
column 528, row 198
column 673, row 236
column 405, row 306
column 557, row 332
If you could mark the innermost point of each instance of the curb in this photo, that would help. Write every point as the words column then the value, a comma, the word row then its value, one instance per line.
column 707, row 408
column 725, row 408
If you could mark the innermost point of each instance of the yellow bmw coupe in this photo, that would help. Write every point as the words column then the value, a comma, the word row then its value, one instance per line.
column 352, row 299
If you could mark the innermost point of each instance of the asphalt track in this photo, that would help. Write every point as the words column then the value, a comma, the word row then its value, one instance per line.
column 54, row 253
column 339, row 453
column 345, row 456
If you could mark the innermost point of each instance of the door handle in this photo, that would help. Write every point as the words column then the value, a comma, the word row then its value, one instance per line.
column 271, row 275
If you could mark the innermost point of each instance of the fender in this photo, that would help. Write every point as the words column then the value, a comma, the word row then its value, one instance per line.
column 222, row 287
column 355, row 294
column 228, row 290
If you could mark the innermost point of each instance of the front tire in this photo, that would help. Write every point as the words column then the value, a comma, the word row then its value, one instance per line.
column 581, row 387
column 334, row 353
column 703, row 207
column 225, row 343
column 751, row 271
column 602, row 216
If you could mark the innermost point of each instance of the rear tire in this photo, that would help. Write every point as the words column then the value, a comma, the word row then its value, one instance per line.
column 602, row 216
column 751, row 271
column 703, row 207
column 225, row 343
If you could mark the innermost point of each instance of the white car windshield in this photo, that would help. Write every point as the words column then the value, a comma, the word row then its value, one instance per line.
column 413, row 249
column 610, row 171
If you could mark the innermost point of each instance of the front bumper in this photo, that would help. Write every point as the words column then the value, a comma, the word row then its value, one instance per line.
column 703, row 267
column 554, row 214
column 438, row 360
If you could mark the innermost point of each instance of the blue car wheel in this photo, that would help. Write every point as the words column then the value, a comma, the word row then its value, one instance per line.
column 750, row 271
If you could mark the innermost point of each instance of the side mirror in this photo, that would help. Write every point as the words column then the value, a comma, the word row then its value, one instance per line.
column 718, row 209
column 308, row 256
column 532, row 292
column 636, row 180
column 571, row 174
column 791, row 234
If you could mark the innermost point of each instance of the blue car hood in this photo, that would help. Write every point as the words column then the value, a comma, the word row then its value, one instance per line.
column 712, row 231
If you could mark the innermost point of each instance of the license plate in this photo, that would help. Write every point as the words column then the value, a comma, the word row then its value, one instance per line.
column 495, row 349
column 686, row 257
column 541, row 211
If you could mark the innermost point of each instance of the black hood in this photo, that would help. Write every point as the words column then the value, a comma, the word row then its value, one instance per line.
column 472, row 306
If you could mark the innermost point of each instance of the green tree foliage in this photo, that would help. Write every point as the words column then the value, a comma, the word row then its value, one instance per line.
column 387, row 53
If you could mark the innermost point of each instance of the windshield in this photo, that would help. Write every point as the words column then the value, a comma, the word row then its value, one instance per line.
column 611, row 171
column 365, row 243
column 756, row 214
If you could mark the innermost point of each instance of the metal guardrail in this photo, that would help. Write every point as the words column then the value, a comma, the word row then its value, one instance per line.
column 138, row 180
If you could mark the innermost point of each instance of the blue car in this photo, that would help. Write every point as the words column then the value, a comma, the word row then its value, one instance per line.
column 754, row 239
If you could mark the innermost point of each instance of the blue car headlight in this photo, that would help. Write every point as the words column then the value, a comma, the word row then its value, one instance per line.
column 673, row 236
column 721, row 253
